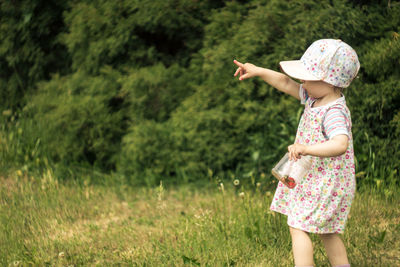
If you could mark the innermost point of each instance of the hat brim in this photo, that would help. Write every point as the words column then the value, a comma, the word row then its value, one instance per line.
column 296, row 69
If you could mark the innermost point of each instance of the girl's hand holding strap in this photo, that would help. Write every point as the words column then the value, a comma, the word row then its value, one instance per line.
column 296, row 151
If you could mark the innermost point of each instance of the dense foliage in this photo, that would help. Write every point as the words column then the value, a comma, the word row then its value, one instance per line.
column 146, row 88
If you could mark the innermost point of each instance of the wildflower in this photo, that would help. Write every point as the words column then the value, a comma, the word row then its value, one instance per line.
column 222, row 186
column 236, row 182
column 160, row 191
column 262, row 175
column 241, row 194
column 258, row 184
column 268, row 194
column 61, row 254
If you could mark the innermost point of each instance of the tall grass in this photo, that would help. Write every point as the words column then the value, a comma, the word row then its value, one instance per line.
column 19, row 145
column 47, row 222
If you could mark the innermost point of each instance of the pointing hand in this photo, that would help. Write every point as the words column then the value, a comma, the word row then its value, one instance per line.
column 246, row 70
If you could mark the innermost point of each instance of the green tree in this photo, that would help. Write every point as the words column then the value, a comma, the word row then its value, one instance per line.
column 29, row 50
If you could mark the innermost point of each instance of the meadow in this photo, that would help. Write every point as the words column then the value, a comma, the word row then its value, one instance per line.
column 118, row 117
column 44, row 221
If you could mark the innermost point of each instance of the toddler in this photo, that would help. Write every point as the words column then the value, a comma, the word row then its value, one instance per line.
column 321, row 202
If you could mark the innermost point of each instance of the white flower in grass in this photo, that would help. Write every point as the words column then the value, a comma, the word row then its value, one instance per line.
column 61, row 254
column 222, row 186
column 241, row 194
column 236, row 182
column 258, row 184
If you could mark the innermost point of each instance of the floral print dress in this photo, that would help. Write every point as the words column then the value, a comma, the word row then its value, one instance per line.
column 321, row 202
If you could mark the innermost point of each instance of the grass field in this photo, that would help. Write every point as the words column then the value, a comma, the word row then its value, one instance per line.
column 45, row 222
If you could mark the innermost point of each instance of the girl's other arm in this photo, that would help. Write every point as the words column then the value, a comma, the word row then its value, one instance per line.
column 331, row 148
column 276, row 79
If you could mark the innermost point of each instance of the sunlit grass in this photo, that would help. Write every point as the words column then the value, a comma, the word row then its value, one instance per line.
column 43, row 221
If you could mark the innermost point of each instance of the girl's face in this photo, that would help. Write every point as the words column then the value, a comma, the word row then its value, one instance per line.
column 318, row 89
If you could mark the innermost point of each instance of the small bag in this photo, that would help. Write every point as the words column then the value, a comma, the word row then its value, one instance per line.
column 291, row 172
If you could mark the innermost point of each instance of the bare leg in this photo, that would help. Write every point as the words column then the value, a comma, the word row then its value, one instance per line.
column 302, row 248
column 335, row 249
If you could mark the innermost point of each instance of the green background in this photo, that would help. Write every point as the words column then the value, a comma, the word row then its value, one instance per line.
column 144, row 90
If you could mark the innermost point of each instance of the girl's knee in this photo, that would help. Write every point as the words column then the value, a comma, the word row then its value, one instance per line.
column 295, row 231
column 329, row 236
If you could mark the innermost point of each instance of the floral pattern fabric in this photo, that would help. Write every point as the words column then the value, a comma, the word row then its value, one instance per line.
column 321, row 202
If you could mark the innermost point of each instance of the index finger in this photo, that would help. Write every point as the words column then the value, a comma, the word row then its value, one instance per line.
column 238, row 63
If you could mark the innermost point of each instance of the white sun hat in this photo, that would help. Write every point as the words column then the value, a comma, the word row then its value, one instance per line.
column 329, row 60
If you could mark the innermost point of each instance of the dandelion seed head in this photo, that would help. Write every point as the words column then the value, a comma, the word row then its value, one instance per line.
column 236, row 182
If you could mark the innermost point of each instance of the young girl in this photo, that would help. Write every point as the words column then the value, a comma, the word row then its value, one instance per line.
column 321, row 202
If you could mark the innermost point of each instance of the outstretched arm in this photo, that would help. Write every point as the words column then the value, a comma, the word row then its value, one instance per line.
column 276, row 79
